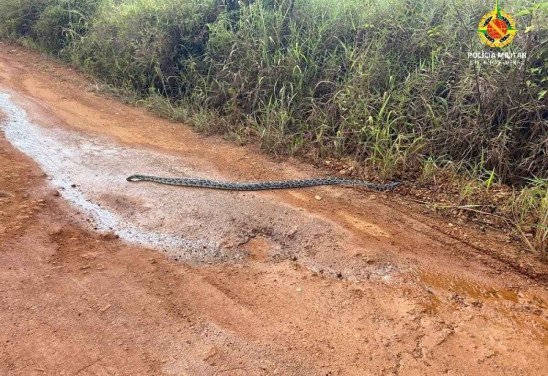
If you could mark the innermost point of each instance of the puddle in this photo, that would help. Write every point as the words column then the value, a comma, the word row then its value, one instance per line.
column 467, row 288
column 475, row 291
column 509, row 303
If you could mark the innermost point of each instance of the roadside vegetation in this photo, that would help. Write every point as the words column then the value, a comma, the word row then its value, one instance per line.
column 385, row 84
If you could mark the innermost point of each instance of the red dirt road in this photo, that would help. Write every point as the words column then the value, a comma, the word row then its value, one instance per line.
column 352, row 283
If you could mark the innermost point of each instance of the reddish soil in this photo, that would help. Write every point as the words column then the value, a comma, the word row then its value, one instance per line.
column 366, row 283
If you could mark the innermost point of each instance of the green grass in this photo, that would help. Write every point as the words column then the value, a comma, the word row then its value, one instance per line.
column 387, row 83
column 530, row 215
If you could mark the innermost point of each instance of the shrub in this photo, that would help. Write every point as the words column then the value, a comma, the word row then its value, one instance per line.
column 146, row 44
column 50, row 24
column 386, row 82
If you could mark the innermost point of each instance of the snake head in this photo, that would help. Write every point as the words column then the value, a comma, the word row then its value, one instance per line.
column 134, row 177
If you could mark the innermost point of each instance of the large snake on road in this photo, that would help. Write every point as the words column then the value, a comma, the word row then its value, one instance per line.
column 263, row 185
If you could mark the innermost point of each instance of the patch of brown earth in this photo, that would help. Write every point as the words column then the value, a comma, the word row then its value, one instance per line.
column 403, row 292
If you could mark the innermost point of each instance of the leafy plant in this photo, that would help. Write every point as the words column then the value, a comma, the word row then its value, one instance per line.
column 386, row 83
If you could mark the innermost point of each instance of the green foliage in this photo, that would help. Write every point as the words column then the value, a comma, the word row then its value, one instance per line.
column 530, row 211
column 18, row 17
column 50, row 24
column 148, row 45
column 385, row 82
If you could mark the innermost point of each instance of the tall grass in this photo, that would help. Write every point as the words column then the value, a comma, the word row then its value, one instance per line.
column 385, row 82
column 530, row 213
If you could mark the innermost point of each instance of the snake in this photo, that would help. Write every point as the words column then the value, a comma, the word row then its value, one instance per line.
column 263, row 185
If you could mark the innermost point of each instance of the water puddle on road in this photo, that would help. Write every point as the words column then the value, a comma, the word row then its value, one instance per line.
column 470, row 289
column 457, row 293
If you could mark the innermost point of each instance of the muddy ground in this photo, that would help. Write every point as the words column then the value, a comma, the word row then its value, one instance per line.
column 99, row 276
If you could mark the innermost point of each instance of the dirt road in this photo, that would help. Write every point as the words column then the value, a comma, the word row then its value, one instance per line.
column 99, row 276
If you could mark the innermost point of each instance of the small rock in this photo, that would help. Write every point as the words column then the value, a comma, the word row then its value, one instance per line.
column 56, row 231
column 318, row 197
column 210, row 354
column 5, row 194
column 476, row 303
column 110, row 236
column 73, row 185
column 299, row 289
column 56, row 193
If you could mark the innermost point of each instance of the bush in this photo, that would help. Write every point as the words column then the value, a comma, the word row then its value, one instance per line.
column 50, row 24
column 386, row 82
column 18, row 17
column 146, row 44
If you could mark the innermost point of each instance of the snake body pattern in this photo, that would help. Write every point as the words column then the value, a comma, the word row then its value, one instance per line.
column 263, row 185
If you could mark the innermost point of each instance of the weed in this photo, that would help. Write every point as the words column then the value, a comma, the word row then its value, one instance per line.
column 530, row 214
column 387, row 83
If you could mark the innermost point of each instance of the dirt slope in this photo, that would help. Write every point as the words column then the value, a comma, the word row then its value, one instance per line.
column 99, row 276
